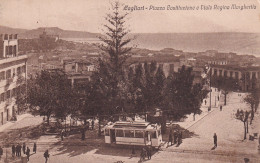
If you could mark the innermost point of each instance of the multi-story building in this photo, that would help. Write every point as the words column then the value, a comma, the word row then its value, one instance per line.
column 78, row 71
column 248, row 77
column 12, row 76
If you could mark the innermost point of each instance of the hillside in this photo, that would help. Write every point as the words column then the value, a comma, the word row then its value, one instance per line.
column 34, row 33
column 8, row 30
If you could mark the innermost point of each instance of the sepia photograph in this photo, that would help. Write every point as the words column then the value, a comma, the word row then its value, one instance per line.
column 120, row 81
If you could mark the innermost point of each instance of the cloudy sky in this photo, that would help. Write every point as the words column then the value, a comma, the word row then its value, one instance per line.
column 88, row 15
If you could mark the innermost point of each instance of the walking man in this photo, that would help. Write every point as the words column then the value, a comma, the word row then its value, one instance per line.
column 28, row 153
column 149, row 152
column 24, row 148
column 19, row 149
column 170, row 138
column 13, row 150
column 34, row 147
column 46, row 155
column 16, row 149
column 215, row 140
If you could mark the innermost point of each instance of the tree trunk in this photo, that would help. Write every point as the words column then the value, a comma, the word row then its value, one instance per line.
column 245, row 131
column 99, row 125
column 48, row 119
column 225, row 101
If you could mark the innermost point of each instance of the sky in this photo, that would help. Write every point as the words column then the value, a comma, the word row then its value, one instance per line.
column 88, row 15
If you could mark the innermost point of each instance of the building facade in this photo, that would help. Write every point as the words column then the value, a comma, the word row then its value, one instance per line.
column 248, row 77
column 13, row 74
column 78, row 71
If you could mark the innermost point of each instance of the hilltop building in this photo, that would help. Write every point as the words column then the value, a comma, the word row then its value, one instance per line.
column 12, row 76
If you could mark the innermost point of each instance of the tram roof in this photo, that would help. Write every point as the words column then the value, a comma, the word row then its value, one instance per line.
column 131, row 125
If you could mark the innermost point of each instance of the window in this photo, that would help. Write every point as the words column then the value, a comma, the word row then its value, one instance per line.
column 106, row 132
column 129, row 133
column 14, row 50
column 13, row 92
column 2, row 97
column 18, row 70
column 10, row 50
column 8, row 74
column 220, row 72
column 2, row 75
column 139, row 134
column 8, row 94
column 231, row 74
column 215, row 71
column 119, row 133
column 6, row 36
column 23, row 69
column 225, row 73
column 236, row 75
column 254, row 75
column 153, row 134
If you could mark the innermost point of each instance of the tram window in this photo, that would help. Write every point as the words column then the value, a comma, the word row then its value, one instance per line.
column 139, row 134
column 106, row 132
column 119, row 133
column 159, row 132
column 129, row 133
column 153, row 134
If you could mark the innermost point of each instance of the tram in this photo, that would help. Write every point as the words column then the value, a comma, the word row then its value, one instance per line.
column 133, row 133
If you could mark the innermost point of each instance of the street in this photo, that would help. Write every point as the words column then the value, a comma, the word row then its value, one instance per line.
column 198, row 148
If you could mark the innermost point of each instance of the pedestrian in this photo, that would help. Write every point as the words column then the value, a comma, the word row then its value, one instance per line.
column 24, row 148
column 215, row 140
column 62, row 134
column 83, row 133
column 17, row 150
column 205, row 102
column 149, row 152
column 28, row 153
column 143, row 154
column 34, row 147
column 174, row 137
column 20, row 149
column 220, row 107
column 46, row 155
column 218, row 98
column 170, row 138
column 180, row 138
column 1, row 152
column 13, row 150
column 92, row 124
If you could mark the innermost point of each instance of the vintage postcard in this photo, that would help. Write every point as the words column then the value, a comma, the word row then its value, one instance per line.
column 127, row 81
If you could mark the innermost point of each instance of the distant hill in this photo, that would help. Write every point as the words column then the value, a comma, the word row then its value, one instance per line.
column 34, row 33
column 57, row 31
column 241, row 43
column 8, row 30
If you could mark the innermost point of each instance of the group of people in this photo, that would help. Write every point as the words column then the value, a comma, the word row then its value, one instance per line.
column 146, row 151
column 17, row 150
column 175, row 137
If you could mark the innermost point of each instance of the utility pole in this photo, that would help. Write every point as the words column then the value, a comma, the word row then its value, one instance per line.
column 210, row 88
